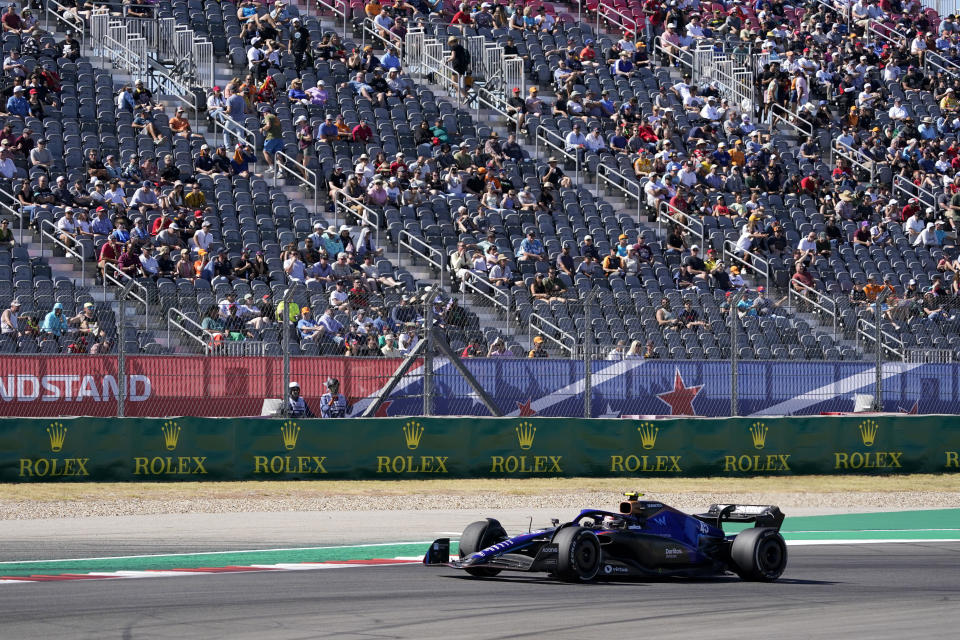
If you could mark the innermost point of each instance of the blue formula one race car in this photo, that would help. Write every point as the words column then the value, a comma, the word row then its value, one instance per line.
column 646, row 538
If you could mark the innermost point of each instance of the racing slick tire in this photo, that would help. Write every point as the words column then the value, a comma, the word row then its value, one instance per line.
column 480, row 535
column 759, row 555
column 578, row 554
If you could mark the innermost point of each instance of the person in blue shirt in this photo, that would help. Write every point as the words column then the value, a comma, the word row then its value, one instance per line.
column 328, row 132
column 125, row 101
column 55, row 322
column 17, row 105
column 296, row 406
column 531, row 249
column 121, row 234
column 307, row 326
column 390, row 59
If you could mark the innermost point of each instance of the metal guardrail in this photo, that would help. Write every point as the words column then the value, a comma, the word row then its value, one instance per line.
column 887, row 34
column 856, row 157
column 814, row 298
column 728, row 253
column 667, row 213
column 495, row 296
column 903, row 187
column 612, row 17
column 340, row 13
column 431, row 255
column 794, row 121
column 867, row 330
column 180, row 320
column 12, row 212
column 626, row 185
column 682, row 59
column 235, row 129
column 551, row 332
column 368, row 216
column 370, row 29
column 296, row 170
column 77, row 251
column 59, row 13
column 555, row 141
column 121, row 280
column 936, row 62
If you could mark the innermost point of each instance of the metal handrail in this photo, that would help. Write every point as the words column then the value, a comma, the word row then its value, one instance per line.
column 80, row 255
column 818, row 300
column 624, row 186
column 179, row 324
column 868, row 330
column 665, row 209
column 857, row 157
column 940, row 64
column 13, row 212
column 59, row 12
column 792, row 120
column 294, row 168
column 120, row 280
column 883, row 32
column 558, row 341
column 504, row 306
column 368, row 27
column 754, row 258
column 610, row 15
column 370, row 217
column 342, row 13
column 682, row 59
column 561, row 148
column 227, row 124
column 423, row 251
column 928, row 197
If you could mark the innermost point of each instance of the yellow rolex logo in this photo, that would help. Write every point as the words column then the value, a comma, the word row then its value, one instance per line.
column 412, row 432
column 758, row 433
column 648, row 435
column 868, row 432
column 171, row 433
column 290, row 431
column 57, row 433
column 525, row 434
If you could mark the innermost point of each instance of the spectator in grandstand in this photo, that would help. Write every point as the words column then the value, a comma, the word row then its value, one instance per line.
column 55, row 322
column 17, row 105
column 10, row 320
column 143, row 123
column 180, row 125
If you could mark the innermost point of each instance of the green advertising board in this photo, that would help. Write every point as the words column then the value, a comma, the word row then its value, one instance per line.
column 96, row 449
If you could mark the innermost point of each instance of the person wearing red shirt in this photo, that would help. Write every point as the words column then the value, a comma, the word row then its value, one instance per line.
column 362, row 132
column 160, row 223
column 802, row 277
column 108, row 253
column 462, row 16
column 721, row 209
column 810, row 184
column 588, row 55
column 679, row 201
column 11, row 21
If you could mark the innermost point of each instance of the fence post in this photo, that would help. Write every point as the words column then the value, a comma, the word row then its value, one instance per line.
column 428, row 355
column 121, row 358
column 587, row 347
column 734, row 410
column 878, row 373
column 285, row 342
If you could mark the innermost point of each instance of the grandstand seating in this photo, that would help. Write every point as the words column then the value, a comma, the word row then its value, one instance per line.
column 248, row 213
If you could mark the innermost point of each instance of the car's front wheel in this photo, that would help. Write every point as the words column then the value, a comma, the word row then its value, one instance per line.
column 477, row 536
column 759, row 555
column 578, row 554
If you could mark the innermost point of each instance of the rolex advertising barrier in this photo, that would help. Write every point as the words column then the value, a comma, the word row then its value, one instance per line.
column 92, row 449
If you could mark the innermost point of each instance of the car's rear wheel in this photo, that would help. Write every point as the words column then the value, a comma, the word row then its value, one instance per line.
column 578, row 554
column 759, row 555
column 477, row 536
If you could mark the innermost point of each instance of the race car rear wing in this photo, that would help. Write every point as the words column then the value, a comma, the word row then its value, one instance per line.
column 764, row 515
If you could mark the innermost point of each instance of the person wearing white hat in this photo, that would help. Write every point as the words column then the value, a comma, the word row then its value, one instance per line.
column 296, row 405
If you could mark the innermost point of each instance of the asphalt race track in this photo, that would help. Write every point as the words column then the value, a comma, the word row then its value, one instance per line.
column 905, row 590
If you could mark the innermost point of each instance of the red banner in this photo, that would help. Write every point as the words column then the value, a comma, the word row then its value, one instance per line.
column 158, row 386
